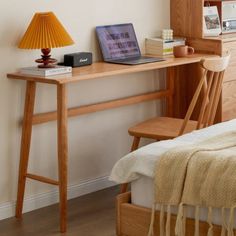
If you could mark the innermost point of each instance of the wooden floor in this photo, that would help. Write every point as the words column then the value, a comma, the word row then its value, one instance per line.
column 89, row 215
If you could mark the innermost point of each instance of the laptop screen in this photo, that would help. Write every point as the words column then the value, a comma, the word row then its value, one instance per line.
column 118, row 41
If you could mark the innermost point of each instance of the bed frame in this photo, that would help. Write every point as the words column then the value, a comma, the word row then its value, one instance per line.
column 133, row 220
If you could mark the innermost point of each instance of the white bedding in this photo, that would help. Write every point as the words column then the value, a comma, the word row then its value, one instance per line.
column 138, row 167
column 142, row 161
column 143, row 194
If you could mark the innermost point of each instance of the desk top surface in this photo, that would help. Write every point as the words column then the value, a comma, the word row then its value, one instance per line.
column 102, row 69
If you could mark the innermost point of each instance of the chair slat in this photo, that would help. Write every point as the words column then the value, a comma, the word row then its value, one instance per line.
column 210, row 85
column 211, row 100
column 193, row 103
column 205, row 101
column 217, row 98
column 162, row 128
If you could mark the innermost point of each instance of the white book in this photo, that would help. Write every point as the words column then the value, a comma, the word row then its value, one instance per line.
column 160, row 41
column 46, row 71
column 159, row 53
column 166, row 45
column 159, row 47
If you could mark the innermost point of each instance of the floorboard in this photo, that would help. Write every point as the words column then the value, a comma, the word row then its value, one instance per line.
column 89, row 215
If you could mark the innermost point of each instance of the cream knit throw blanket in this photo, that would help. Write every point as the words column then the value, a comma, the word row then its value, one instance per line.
column 200, row 175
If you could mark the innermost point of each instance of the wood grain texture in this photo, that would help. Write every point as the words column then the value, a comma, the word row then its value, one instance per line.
column 192, row 105
column 162, row 128
column 182, row 76
column 62, row 153
column 205, row 45
column 224, row 38
column 217, row 98
column 119, row 201
column 134, row 220
column 212, row 89
column 230, row 73
column 93, row 214
column 186, row 80
column 186, row 21
column 76, row 111
column 186, row 17
column 42, row 179
column 229, row 100
column 95, row 71
column 25, row 144
column 170, row 85
column 100, row 70
column 216, row 0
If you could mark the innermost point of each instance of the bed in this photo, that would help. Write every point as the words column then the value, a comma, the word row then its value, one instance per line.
column 134, row 207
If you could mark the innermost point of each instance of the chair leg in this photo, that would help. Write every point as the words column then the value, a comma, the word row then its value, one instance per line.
column 136, row 141
column 123, row 188
column 135, row 144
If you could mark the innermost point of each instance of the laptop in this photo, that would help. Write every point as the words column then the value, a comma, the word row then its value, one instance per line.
column 119, row 45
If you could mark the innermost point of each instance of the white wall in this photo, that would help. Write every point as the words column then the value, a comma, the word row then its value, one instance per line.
column 96, row 140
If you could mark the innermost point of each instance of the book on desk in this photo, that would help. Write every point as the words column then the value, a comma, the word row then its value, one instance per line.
column 45, row 72
column 161, row 47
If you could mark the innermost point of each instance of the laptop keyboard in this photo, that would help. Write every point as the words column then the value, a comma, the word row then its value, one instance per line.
column 137, row 60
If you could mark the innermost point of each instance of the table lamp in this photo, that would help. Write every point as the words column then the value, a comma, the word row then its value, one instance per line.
column 45, row 32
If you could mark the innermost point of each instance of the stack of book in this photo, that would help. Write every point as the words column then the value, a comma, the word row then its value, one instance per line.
column 160, row 47
column 44, row 72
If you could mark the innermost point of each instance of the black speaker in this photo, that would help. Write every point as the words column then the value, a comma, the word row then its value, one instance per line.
column 78, row 59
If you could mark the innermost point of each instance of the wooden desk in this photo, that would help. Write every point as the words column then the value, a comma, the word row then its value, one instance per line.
column 96, row 71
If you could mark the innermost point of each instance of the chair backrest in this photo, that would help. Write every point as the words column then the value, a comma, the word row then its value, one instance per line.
column 211, row 85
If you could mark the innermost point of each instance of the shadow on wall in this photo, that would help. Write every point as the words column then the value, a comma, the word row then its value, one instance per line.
column 94, row 45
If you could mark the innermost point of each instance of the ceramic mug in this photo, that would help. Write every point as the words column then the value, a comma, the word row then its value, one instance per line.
column 182, row 51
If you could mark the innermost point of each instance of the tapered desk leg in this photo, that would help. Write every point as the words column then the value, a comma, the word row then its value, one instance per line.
column 62, row 152
column 25, row 144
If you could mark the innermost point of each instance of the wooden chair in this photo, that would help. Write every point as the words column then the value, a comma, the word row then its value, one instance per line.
column 162, row 128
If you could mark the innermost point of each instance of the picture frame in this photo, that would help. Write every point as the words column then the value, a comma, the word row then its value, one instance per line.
column 211, row 21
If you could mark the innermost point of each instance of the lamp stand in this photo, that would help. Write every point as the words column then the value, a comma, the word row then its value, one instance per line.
column 46, row 60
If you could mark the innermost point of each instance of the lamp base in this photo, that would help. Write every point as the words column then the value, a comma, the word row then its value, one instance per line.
column 46, row 60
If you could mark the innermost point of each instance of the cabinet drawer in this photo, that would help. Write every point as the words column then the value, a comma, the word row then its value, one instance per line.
column 229, row 101
column 230, row 73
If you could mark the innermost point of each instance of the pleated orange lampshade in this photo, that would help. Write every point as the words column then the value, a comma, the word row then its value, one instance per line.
column 45, row 32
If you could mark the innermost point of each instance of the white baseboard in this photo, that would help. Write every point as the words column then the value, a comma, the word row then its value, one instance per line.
column 7, row 209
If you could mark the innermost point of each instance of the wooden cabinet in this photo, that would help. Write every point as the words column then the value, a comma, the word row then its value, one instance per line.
column 229, row 86
column 230, row 74
column 187, row 21
column 229, row 101
column 184, row 16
